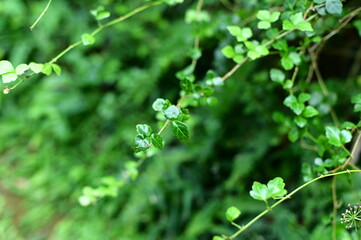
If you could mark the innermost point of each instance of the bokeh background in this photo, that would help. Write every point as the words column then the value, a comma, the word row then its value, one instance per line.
column 59, row 134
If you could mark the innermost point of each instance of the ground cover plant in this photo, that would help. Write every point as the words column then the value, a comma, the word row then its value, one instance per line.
column 180, row 119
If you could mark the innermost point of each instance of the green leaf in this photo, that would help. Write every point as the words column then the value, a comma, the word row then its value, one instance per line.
column 102, row 15
column 263, row 15
column 297, row 18
column 9, row 77
column 292, row 102
column 158, row 104
column 300, row 121
column 357, row 101
column 293, row 134
column 6, row 67
column 277, row 75
column 296, row 59
column 144, row 129
column 172, row 112
column 305, row 27
column 242, row 34
column 348, row 125
column 287, row 25
column 288, row 84
column 157, row 141
column 259, row 191
column 274, row 16
column 217, row 238
column 345, row 136
column 36, row 67
column 333, row 136
column 228, row 51
column 263, row 25
column 287, row 62
column 56, row 68
column 47, row 69
column 303, row 97
column 310, row 111
column 87, row 39
column 180, row 130
column 334, row 6
column 141, row 143
column 276, row 188
column 20, row 69
column 232, row 213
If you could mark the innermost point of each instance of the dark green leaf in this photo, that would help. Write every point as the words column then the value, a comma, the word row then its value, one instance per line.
column 141, row 143
column 180, row 130
column 334, row 6
column 157, row 141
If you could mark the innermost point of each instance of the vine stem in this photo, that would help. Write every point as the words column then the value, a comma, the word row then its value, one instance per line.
column 41, row 15
column 334, row 211
column 288, row 196
column 111, row 23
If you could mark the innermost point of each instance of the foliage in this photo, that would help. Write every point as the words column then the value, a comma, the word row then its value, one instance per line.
column 257, row 91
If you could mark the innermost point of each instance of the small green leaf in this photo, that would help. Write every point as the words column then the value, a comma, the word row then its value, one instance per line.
column 348, row 125
column 9, row 77
column 232, row 213
column 20, row 69
column 87, row 39
column 287, row 25
column 217, row 238
column 158, row 104
column 228, row 51
column 180, row 130
column 47, row 69
column 287, row 62
column 259, row 191
column 144, row 129
column 276, row 188
column 157, row 141
column 141, row 143
column 56, row 69
column 296, row 59
column 102, row 15
column 357, row 101
column 303, row 97
column 334, row 6
column 310, row 111
column 305, row 27
column 263, row 25
column 300, row 121
column 6, row 67
column 345, row 136
column 274, row 16
column 172, row 112
column 288, row 84
column 292, row 102
column 333, row 136
column 36, row 67
column 263, row 15
column 277, row 75
column 293, row 134
column 172, row 2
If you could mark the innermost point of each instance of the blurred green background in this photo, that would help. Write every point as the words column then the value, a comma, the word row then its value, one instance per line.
column 61, row 133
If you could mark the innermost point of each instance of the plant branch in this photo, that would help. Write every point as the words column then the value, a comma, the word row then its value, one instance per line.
column 288, row 196
column 41, row 15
